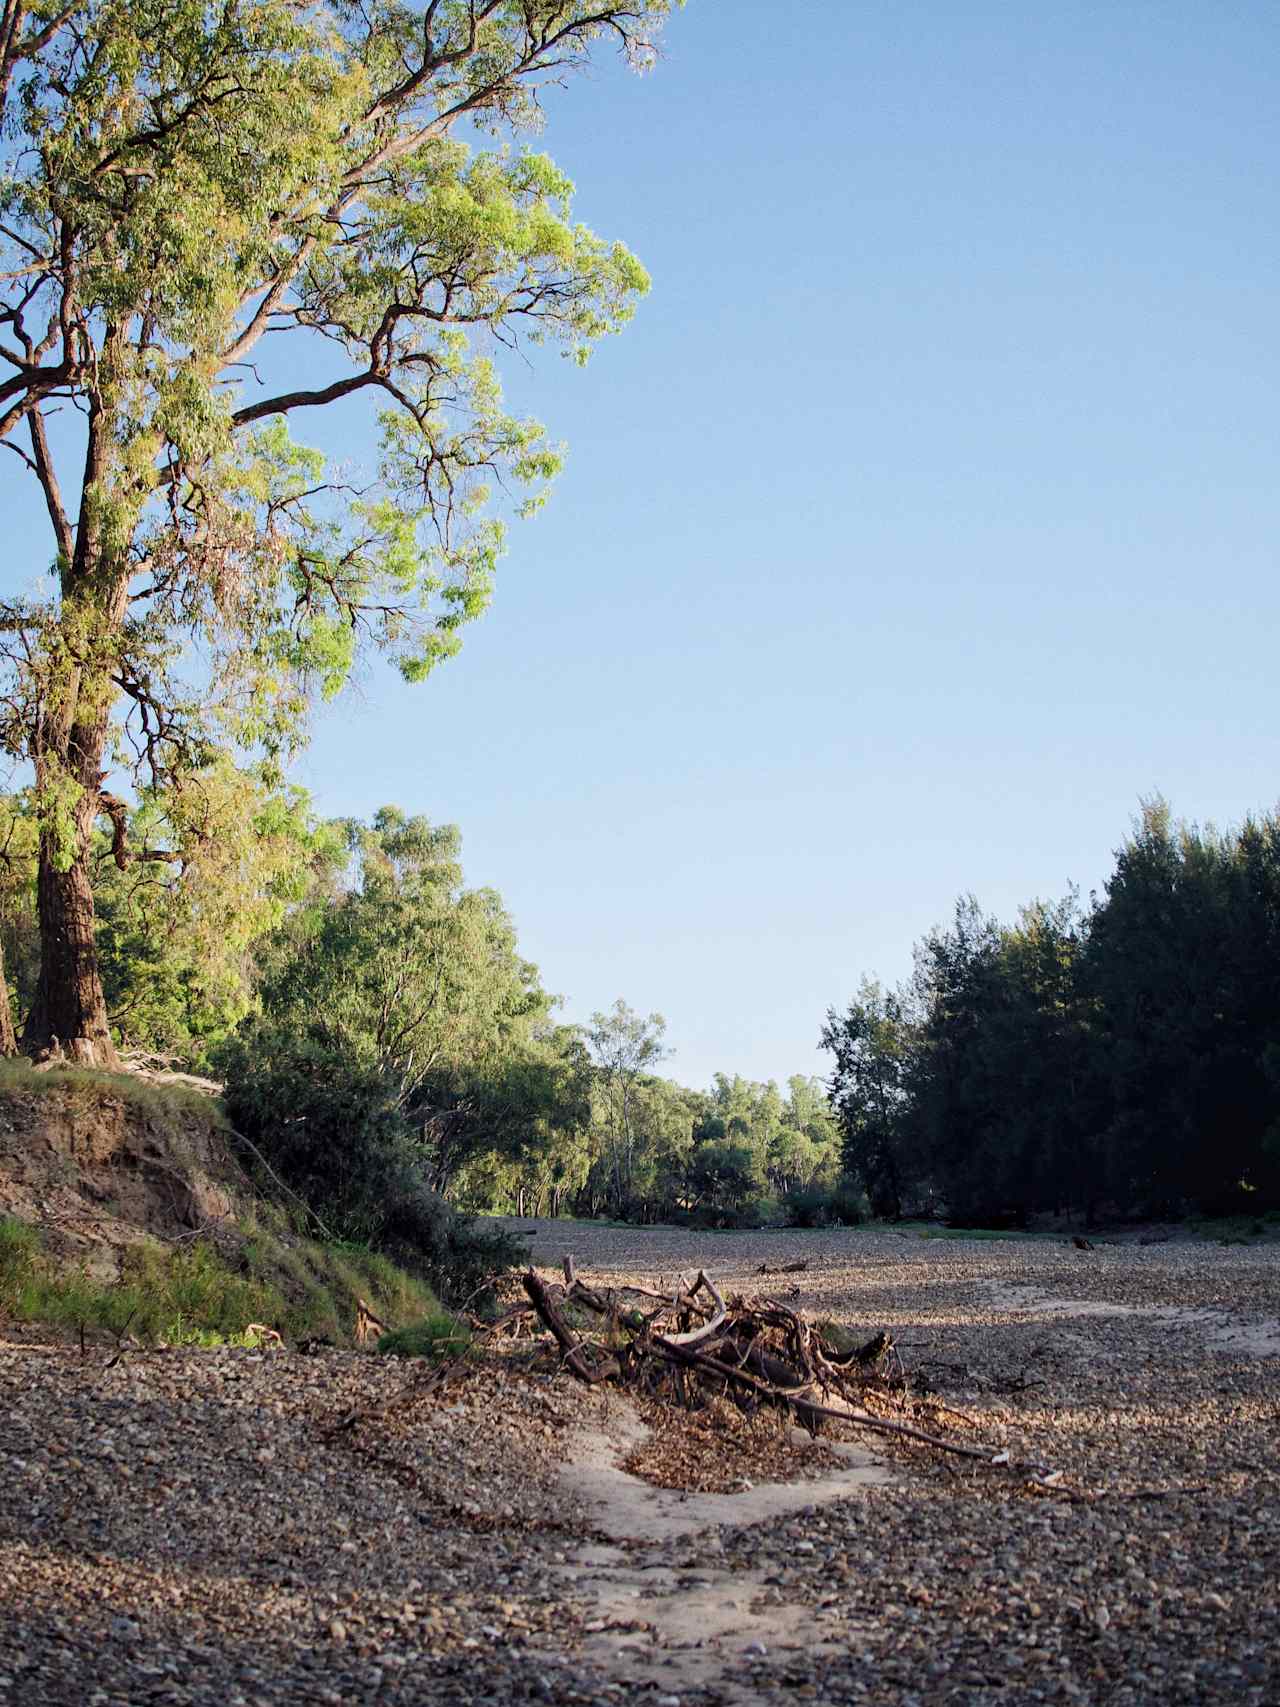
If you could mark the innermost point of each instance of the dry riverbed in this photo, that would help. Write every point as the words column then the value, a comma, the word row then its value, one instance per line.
column 199, row 1528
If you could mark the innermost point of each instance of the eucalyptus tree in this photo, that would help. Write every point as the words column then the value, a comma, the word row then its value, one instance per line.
column 624, row 1047
column 214, row 219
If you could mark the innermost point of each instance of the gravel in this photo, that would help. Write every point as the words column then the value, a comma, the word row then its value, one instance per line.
column 192, row 1527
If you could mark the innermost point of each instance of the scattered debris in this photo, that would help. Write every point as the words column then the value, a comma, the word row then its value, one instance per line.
column 694, row 1349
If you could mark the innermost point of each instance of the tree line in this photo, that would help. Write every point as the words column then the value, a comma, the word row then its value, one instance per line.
column 1120, row 1058
column 381, row 1038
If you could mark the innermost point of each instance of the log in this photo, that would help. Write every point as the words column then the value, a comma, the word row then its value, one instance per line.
column 606, row 1369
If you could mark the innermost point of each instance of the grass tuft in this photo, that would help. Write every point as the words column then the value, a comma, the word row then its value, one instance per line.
column 438, row 1337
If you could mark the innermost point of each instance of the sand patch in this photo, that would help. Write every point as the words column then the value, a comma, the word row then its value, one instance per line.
column 675, row 1627
column 1257, row 1338
column 625, row 1508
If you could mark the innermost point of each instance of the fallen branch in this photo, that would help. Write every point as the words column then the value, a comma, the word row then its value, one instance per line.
column 761, row 1353
column 607, row 1368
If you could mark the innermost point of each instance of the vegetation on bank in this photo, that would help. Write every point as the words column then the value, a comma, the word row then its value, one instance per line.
column 392, row 1066
column 201, row 1294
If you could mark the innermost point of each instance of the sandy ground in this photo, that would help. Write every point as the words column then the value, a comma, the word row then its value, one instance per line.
column 190, row 1528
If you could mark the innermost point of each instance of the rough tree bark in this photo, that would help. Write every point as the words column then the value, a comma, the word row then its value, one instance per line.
column 8, row 1039
column 69, row 1012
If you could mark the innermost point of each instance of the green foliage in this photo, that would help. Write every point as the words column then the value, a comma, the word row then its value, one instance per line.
column 1121, row 1061
column 439, row 1338
column 185, row 1296
column 623, row 1046
column 216, row 867
column 722, row 1179
column 197, row 1295
column 179, row 182
column 333, row 1129
column 843, row 1204
column 872, row 1045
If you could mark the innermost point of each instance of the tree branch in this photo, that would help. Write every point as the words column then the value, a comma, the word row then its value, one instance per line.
column 288, row 400
column 48, row 477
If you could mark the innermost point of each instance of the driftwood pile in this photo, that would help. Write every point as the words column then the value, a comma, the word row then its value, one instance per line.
column 692, row 1346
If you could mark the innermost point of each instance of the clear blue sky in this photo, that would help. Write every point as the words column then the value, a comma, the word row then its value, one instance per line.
column 925, row 518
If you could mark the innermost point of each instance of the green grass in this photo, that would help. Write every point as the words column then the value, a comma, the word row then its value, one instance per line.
column 91, row 1084
column 438, row 1337
column 192, row 1294
column 931, row 1230
column 182, row 1296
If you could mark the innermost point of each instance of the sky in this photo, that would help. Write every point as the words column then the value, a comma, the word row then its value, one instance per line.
column 921, row 524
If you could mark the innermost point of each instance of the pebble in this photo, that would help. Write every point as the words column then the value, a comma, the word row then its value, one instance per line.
column 253, row 1561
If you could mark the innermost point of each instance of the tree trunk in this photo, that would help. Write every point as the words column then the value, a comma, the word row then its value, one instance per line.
column 8, row 1041
column 69, row 1012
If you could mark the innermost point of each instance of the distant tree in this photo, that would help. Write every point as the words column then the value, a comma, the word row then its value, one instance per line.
column 722, row 1178
column 1124, row 1059
column 410, row 980
column 1182, row 964
column 624, row 1046
column 872, row 1042
column 805, row 1147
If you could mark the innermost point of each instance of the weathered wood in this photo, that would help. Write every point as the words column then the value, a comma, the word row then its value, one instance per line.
column 606, row 1369
column 762, row 1352
column 708, row 1329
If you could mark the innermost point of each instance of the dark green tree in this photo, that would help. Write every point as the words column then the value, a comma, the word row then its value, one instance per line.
column 873, row 1043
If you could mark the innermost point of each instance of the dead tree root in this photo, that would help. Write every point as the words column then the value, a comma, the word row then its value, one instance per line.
column 693, row 1347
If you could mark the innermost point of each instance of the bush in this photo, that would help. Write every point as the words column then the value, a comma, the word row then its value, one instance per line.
column 844, row 1203
column 459, row 1255
column 331, row 1127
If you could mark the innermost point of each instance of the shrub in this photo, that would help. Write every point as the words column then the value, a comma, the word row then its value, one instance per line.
column 438, row 1337
column 824, row 1205
column 330, row 1126
column 460, row 1255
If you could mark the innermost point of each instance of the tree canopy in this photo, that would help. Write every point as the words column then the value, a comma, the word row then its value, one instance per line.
column 197, row 206
column 1116, row 1059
